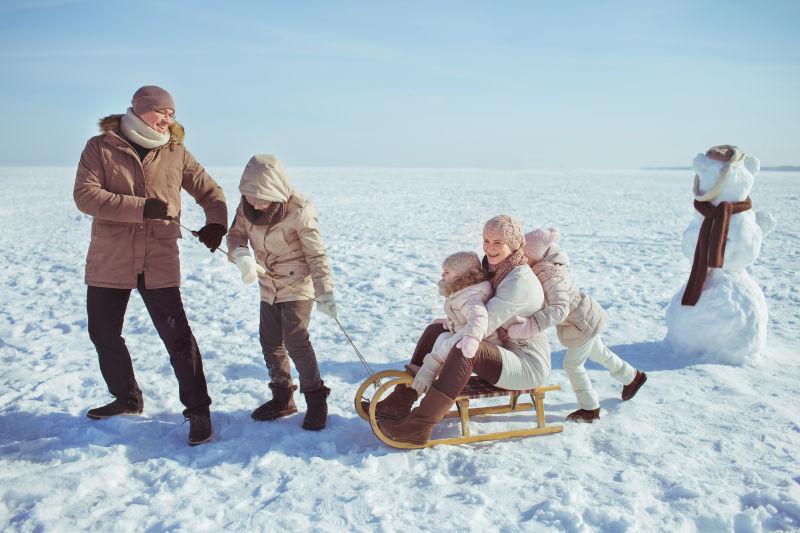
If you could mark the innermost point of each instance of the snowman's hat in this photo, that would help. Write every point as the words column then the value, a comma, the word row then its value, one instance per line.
column 727, row 154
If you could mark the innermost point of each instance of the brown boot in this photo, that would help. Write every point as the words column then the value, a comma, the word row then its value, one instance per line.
column 396, row 406
column 631, row 388
column 317, row 408
column 417, row 427
column 281, row 404
column 584, row 415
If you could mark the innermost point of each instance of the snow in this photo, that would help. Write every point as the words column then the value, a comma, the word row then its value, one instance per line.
column 729, row 322
column 706, row 447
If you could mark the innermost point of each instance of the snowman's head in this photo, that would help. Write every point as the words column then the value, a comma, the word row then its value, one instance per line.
column 724, row 174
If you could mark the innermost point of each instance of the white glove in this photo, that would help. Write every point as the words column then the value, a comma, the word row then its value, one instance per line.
column 424, row 378
column 326, row 304
column 246, row 264
column 469, row 346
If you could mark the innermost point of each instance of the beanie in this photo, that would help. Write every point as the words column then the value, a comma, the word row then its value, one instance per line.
column 149, row 98
column 538, row 241
column 508, row 229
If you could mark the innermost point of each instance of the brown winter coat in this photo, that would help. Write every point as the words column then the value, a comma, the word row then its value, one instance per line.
column 292, row 250
column 112, row 185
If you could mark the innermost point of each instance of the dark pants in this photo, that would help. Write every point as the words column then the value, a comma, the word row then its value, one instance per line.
column 455, row 372
column 106, row 310
column 284, row 328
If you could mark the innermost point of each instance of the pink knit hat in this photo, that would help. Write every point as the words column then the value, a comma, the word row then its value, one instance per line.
column 507, row 228
column 150, row 97
column 538, row 241
column 462, row 262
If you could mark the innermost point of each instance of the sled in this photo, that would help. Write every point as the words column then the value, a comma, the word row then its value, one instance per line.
column 476, row 388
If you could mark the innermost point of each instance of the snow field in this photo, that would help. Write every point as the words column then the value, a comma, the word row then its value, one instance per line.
column 701, row 448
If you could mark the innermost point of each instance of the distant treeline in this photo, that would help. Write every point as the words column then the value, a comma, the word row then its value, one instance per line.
column 785, row 168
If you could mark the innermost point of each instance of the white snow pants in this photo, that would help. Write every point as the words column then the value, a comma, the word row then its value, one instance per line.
column 595, row 350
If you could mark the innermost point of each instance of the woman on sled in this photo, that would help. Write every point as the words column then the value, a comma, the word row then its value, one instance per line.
column 514, row 364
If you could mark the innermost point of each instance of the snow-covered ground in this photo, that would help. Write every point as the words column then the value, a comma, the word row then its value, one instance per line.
column 701, row 448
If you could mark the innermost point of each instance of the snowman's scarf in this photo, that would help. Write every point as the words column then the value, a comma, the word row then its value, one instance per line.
column 710, row 249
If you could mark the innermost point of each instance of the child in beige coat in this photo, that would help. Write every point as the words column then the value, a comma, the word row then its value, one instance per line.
column 579, row 320
column 466, row 289
column 281, row 227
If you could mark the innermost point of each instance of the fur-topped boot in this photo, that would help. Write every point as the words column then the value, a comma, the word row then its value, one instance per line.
column 416, row 428
column 396, row 406
column 281, row 404
column 317, row 408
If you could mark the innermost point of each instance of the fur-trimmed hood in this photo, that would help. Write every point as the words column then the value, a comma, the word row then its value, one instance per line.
column 111, row 123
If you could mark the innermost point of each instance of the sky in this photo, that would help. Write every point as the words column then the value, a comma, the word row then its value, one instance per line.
column 529, row 85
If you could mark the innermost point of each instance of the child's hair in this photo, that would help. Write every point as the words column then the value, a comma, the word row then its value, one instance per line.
column 468, row 267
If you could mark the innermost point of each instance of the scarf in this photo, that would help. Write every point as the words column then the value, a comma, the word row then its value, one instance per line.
column 710, row 249
column 267, row 217
column 135, row 130
column 546, row 270
column 501, row 269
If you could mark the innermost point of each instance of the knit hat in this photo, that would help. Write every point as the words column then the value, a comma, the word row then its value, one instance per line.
column 150, row 97
column 461, row 262
column 507, row 228
column 538, row 241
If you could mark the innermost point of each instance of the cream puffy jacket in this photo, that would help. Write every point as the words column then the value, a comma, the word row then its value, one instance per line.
column 291, row 251
column 577, row 316
column 526, row 362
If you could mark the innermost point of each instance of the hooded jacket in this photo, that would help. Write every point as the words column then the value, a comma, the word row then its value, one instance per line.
column 112, row 184
column 291, row 250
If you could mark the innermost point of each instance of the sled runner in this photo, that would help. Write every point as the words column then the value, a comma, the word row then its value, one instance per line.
column 476, row 388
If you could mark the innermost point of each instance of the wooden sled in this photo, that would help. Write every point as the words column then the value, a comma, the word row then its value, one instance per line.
column 476, row 388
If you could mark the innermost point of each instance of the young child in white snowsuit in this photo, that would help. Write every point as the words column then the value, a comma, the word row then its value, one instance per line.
column 281, row 227
column 466, row 289
column 579, row 320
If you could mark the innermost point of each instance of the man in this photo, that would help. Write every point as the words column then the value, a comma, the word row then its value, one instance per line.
column 129, row 179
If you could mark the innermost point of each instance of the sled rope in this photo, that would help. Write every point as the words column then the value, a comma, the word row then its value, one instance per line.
column 264, row 272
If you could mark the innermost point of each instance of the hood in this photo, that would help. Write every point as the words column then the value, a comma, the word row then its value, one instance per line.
column 554, row 254
column 111, row 124
column 265, row 178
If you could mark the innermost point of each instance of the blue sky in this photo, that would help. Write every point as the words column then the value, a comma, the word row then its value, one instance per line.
column 541, row 85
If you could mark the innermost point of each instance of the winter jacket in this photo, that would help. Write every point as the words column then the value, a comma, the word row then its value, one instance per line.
column 526, row 362
column 466, row 315
column 112, row 184
column 291, row 250
column 576, row 316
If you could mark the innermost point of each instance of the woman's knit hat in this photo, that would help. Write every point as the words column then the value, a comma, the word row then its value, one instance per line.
column 149, row 98
column 538, row 241
column 507, row 228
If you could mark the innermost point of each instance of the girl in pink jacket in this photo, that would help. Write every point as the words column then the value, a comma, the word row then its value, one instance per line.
column 466, row 290
column 579, row 320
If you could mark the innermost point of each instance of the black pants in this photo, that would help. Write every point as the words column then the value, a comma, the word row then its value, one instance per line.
column 106, row 310
column 284, row 328
column 455, row 373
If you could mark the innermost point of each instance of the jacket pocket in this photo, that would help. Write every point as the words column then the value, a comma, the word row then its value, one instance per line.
column 165, row 230
column 294, row 269
column 110, row 255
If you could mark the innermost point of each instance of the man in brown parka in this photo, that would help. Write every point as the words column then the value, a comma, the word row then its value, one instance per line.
column 129, row 180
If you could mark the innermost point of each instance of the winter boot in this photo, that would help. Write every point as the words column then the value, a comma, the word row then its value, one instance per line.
column 416, row 428
column 629, row 390
column 281, row 404
column 113, row 409
column 396, row 406
column 317, row 408
column 584, row 415
column 199, row 429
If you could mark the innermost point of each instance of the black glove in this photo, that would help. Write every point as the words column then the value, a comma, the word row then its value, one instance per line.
column 155, row 208
column 211, row 235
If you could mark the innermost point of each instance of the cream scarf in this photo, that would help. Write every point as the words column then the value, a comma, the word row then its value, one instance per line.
column 135, row 130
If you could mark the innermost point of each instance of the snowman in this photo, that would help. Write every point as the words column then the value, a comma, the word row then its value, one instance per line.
column 720, row 314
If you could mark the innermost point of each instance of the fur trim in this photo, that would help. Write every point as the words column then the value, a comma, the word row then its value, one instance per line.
column 470, row 277
column 111, row 123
